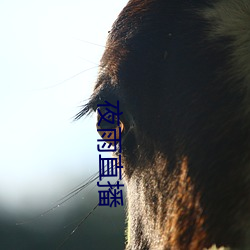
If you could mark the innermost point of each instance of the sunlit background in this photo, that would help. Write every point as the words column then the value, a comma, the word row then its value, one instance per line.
column 49, row 57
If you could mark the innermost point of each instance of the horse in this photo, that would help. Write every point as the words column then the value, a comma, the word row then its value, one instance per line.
column 181, row 72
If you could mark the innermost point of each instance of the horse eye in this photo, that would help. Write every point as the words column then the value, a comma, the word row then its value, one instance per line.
column 109, row 130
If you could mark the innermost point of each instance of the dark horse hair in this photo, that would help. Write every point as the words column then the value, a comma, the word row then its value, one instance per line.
column 181, row 72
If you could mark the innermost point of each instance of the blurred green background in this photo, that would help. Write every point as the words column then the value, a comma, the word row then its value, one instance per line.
column 49, row 56
column 104, row 229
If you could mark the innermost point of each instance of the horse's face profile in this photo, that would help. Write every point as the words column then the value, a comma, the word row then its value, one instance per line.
column 181, row 72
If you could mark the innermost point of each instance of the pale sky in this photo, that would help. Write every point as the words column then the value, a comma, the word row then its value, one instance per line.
column 42, row 152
